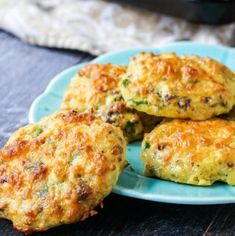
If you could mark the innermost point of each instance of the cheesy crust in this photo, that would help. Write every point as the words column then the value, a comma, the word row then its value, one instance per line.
column 95, row 89
column 57, row 171
column 191, row 152
column 178, row 86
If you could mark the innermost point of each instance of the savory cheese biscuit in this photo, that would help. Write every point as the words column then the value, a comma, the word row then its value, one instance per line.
column 56, row 171
column 178, row 86
column 191, row 152
column 95, row 89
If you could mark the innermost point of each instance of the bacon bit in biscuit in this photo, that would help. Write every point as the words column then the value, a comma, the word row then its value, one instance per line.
column 117, row 150
column 230, row 165
column 84, row 191
column 161, row 146
column 112, row 167
column 3, row 179
column 169, row 97
column 207, row 99
column 184, row 103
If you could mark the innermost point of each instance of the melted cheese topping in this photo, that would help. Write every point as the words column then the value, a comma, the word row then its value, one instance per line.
column 95, row 89
column 56, row 171
column 191, row 152
column 178, row 86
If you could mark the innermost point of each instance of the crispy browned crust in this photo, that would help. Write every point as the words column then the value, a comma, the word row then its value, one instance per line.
column 95, row 89
column 58, row 170
column 178, row 86
column 192, row 152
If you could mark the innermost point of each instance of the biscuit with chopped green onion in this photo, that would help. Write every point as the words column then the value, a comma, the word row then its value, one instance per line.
column 174, row 86
column 57, row 171
column 191, row 152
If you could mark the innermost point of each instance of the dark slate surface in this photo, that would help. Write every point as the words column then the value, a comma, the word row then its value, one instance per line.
column 24, row 73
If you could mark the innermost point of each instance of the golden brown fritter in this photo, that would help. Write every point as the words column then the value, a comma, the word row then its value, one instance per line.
column 178, row 86
column 95, row 89
column 191, row 152
column 56, row 171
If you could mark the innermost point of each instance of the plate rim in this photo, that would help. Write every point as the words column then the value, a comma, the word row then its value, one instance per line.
column 170, row 198
column 133, row 192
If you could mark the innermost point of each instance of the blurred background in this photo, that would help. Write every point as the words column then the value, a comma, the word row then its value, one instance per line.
column 97, row 26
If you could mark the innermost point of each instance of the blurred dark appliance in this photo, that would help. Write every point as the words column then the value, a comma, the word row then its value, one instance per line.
column 199, row 11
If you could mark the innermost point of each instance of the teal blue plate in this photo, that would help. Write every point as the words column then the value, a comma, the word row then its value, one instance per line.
column 131, row 182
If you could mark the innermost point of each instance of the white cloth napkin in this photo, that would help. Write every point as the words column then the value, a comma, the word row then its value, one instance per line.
column 97, row 26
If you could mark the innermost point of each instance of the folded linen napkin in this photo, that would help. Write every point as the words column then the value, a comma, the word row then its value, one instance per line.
column 97, row 26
